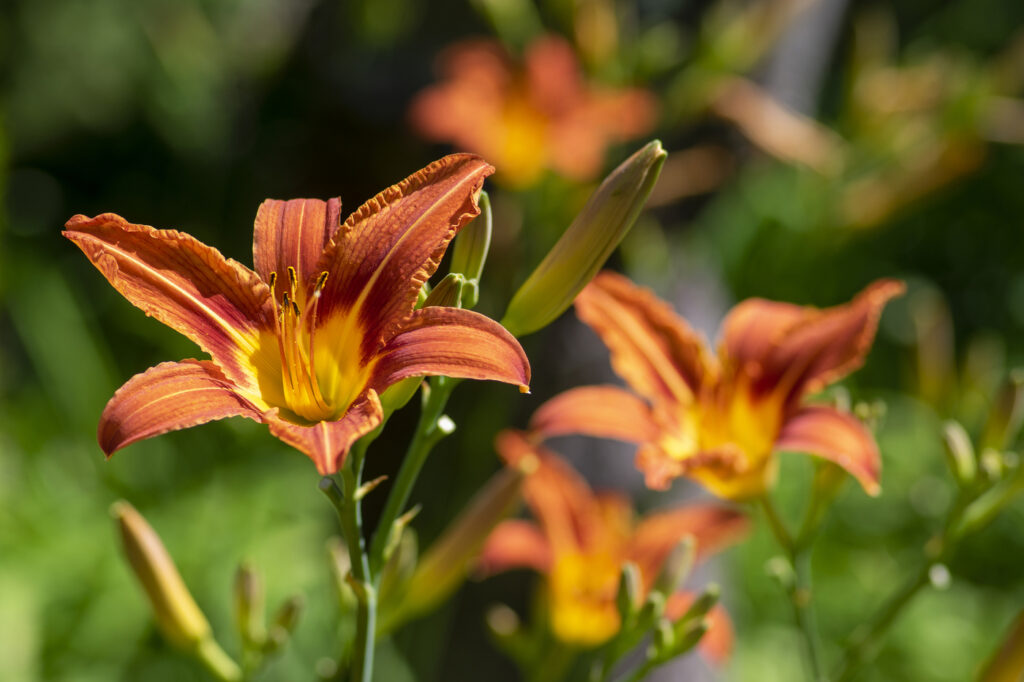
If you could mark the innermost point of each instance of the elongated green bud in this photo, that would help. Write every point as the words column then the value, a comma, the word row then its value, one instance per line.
column 605, row 219
column 959, row 452
column 249, row 609
column 469, row 253
column 444, row 565
column 677, row 566
column 176, row 611
column 698, row 609
column 448, row 292
column 1004, row 421
column 629, row 597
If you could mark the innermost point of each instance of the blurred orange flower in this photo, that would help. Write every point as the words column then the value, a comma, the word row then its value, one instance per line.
column 720, row 419
column 326, row 322
column 584, row 538
column 526, row 118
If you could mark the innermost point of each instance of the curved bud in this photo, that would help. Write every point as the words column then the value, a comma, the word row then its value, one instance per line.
column 605, row 219
column 629, row 596
column 677, row 566
column 469, row 252
column 176, row 611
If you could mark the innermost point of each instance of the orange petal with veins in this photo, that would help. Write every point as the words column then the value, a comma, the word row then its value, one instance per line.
column 169, row 397
column 328, row 443
column 652, row 348
column 387, row 249
column 216, row 302
column 451, row 342
column 800, row 350
column 293, row 233
column 836, row 436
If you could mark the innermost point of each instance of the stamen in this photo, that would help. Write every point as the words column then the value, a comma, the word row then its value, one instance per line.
column 293, row 281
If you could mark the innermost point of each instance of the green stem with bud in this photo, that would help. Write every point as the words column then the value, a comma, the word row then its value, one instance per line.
column 347, row 504
column 798, row 586
column 429, row 431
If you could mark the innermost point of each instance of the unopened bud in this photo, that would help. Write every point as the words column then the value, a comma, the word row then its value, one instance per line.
column 605, row 219
column 397, row 395
column 959, row 452
column 1004, row 421
column 630, row 593
column 447, row 293
column 176, row 611
column 285, row 620
column 699, row 608
column 249, row 605
column 469, row 253
column 677, row 566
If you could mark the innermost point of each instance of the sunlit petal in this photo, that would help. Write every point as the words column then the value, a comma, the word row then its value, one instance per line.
column 651, row 347
column 168, row 397
column 602, row 411
column 216, row 302
column 455, row 343
column 388, row 248
column 836, row 436
column 327, row 443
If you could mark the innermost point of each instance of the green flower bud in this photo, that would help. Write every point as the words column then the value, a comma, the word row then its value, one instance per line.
column 605, row 219
column 469, row 253
column 448, row 292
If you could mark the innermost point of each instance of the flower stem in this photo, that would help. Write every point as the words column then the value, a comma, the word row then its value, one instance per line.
column 798, row 586
column 426, row 436
column 349, row 510
column 217, row 662
column 864, row 643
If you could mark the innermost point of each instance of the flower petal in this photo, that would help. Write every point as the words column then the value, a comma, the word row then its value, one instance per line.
column 452, row 342
column 836, row 436
column 328, row 443
column 602, row 411
column 293, row 233
column 802, row 350
column 558, row 496
column 515, row 544
column 169, row 397
column 652, row 348
column 712, row 526
column 388, row 248
column 218, row 303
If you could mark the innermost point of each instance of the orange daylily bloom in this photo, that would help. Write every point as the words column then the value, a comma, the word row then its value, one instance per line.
column 326, row 322
column 720, row 419
column 540, row 115
column 584, row 538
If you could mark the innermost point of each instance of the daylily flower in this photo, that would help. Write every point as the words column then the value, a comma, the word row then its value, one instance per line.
column 584, row 538
column 720, row 419
column 325, row 323
column 531, row 117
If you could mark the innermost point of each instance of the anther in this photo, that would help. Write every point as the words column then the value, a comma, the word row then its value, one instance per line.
column 321, row 281
column 293, row 281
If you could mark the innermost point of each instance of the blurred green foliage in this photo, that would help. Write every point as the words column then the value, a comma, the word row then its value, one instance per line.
column 186, row 114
